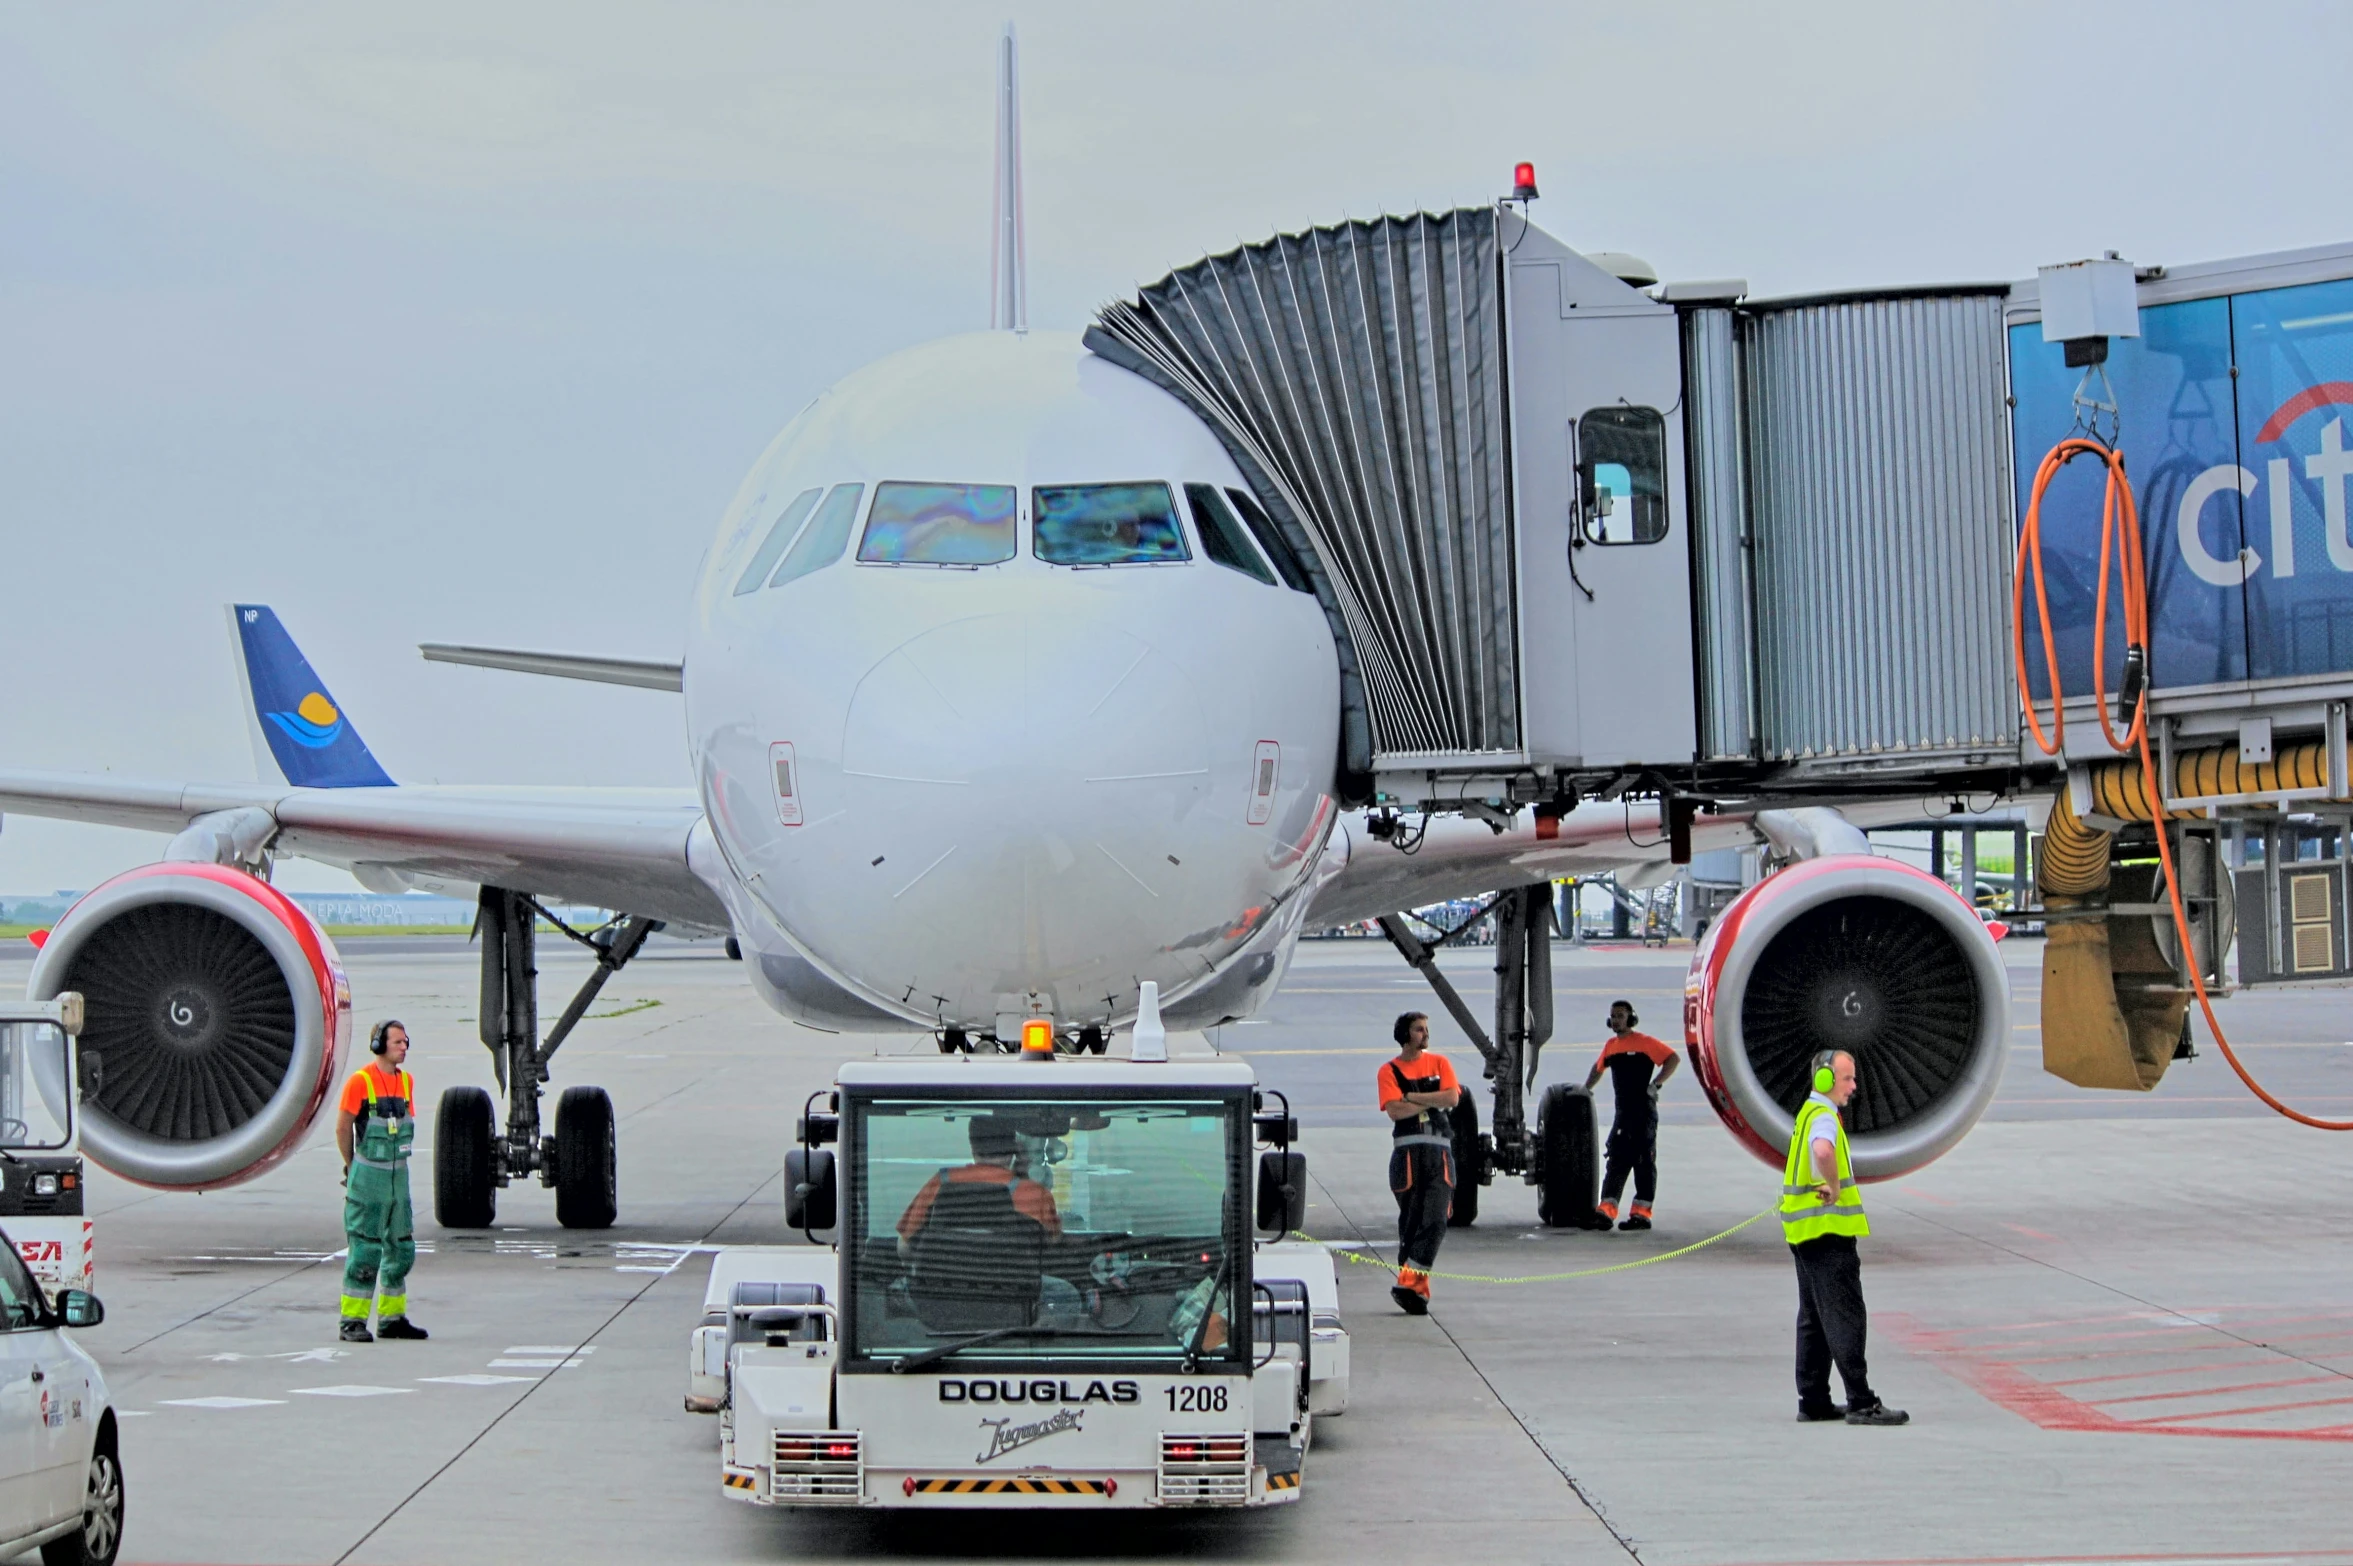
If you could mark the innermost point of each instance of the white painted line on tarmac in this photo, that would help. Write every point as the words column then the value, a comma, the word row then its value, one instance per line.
column 353, row 1391
column 477, row 1380
column 221, row 1402
column 536, row 1364
column 551, row 1348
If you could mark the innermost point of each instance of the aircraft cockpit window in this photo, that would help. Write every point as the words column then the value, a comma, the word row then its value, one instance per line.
column 1222, row 538
column 1106, row 524
column 788, row 522
column 940, row 524
column 1270, row 539
column 822, row 544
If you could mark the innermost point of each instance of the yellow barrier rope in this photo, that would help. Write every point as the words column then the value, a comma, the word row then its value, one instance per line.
column 1550, row 1277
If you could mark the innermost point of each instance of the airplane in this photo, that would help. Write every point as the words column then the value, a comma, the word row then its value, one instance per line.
column 1004, row 701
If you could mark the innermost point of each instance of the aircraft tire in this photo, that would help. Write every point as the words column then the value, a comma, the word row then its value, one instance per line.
column 1570, row 1155
column 465, row 1139
column 1467, row 1160
column 587, row 1160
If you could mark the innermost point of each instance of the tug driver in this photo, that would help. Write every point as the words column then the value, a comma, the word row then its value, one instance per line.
column 1417, row 1089
column 996, row 1148
column 1629, row 1057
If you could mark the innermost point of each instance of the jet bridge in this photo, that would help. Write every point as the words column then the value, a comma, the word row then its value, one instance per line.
column 1577, row 540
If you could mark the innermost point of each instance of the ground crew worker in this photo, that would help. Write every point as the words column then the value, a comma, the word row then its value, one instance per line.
column 1629, row 1057
column 1417, row 1090
column 1822, row 1217
column 996, row 1148
column 375, row 1123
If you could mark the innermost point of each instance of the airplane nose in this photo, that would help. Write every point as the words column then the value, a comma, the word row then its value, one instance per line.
column 1044, row 710
column 1043, row 786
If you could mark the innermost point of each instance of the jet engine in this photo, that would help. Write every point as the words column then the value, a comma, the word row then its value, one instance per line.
column 1865, row 955
column 217, row 1015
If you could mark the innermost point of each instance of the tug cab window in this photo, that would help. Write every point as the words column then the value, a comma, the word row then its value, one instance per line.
column 1622, row 475
column 1222, row 537
column 940, row 525
column 821, row 543
column 1106, row 524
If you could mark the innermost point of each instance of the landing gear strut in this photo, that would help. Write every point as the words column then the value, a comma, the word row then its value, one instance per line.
column 471, row 1159
column 1559, row 1155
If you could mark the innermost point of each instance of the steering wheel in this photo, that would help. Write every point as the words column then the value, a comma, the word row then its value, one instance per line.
column 14, row 1133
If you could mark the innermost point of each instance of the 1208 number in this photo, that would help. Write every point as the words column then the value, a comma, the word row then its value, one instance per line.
column 1199, row 1399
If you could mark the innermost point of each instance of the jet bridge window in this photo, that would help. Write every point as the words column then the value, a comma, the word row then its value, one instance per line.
column 1622, row 475
column 788, row 522
column 1106, row 524
column 1222, row 538
column 940, row 524
column 821, row 545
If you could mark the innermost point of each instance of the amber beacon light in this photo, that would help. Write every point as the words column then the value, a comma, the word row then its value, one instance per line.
column 1037, row 1037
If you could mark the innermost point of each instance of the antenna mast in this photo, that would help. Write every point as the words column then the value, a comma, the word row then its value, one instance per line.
column 1008, row 253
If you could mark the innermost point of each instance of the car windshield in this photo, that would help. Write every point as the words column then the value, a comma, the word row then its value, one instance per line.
column 939, row 524
column 1106, row 524
column 33, row 1103
column 1067, row 1228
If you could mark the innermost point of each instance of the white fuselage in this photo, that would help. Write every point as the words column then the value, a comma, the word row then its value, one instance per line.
column 944, row 795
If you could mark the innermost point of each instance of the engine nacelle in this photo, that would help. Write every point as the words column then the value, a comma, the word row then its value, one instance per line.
column 217, row 1015
column 1862, row 954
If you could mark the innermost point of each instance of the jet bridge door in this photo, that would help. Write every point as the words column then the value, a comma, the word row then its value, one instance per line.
column 1598, row 481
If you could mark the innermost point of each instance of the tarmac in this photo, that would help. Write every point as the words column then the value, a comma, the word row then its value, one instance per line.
column 2123, row 1326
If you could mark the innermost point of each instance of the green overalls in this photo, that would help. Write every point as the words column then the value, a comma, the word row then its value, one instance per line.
column 378, row 1227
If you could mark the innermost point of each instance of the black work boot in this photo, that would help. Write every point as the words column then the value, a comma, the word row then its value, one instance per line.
column 1826, row 1414
column 401, row 1327
column 1408, row 1301
column 356, row 1331
column 1877, row 1414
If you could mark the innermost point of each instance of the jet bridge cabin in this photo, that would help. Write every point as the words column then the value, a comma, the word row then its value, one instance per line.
column 1576, row 538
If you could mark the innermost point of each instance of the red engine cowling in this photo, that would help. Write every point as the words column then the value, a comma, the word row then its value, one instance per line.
column 1862, row 954
column 217, row 1015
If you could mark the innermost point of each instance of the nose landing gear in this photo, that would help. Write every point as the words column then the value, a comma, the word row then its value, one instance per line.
column 471, row 1159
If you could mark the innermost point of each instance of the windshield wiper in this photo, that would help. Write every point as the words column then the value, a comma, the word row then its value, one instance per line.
column 932, row 1356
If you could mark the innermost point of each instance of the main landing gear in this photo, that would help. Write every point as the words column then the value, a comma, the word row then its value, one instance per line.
column 1561, row 1155
column 471, row 1158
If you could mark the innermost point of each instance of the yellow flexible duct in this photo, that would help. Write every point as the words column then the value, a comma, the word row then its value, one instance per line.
column 2110, row 1012
column 2121, row 790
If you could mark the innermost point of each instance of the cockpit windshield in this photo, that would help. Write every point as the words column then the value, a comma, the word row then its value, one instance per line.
column 1106, row 524
column 1067, row 1228
column 940, row 524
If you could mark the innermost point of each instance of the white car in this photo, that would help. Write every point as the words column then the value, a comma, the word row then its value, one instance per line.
column 61, row 1477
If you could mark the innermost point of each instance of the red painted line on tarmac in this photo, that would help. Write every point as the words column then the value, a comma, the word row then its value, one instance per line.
column 2151, row 1375
column 2254, row 1408
column 2208, row 1347
column 2032, row 1234
column 2229, row 1391
column 2004, row 1383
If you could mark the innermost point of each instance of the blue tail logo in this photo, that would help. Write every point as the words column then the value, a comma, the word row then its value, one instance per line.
column 308, row 736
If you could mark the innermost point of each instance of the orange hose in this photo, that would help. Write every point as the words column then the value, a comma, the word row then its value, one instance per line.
column 2120, row 524
column 2120, row 533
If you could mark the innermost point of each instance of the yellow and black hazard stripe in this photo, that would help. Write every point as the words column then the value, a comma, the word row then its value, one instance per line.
column 1289, row 1481
column 1010, row 1486
column 739, row 1481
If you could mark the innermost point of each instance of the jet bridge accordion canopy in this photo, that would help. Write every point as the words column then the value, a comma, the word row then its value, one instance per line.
column 1566, row 531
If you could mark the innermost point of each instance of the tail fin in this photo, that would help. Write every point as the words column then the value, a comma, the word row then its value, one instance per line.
column 297, row 728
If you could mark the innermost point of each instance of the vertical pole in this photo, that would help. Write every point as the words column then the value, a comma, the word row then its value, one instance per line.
column 1969, row 865
column 2017, row 868
column 1936, row 852
column 1009, row 254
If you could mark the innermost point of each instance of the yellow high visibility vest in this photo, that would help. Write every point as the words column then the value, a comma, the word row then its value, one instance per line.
column 1804, row 1215
column 385, row 1135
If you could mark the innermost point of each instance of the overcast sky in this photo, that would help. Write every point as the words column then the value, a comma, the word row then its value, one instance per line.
column 462, row 321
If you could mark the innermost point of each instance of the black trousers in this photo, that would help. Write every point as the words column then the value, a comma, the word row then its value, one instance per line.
column 1422, row 1178
column 1831, row 1322
column 1633, row 1149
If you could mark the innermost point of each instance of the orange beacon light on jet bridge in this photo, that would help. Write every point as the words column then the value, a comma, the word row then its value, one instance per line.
column 1037, row 1038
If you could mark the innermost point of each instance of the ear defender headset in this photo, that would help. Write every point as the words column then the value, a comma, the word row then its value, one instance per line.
column 1825, row 1072
column 376, row 1040
column 1633, row 1018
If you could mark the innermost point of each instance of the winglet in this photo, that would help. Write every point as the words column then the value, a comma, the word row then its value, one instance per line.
column 298, row 730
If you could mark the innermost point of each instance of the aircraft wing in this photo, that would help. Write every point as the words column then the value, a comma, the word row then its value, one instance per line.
column 614, row 848
column 1363, row 877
